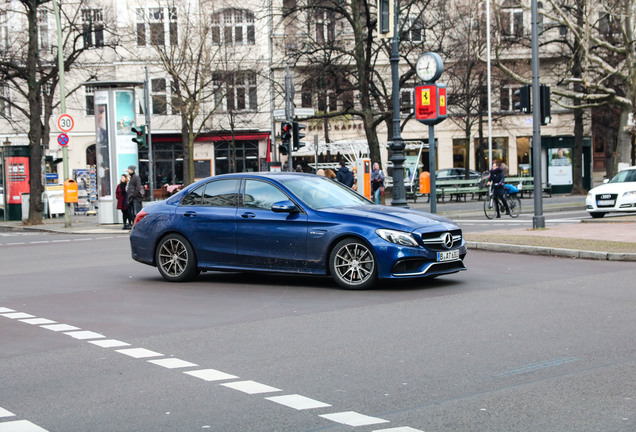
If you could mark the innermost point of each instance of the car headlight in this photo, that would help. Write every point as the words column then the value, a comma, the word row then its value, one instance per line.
column 589, row 196
column 397, row 237
column 630, row 194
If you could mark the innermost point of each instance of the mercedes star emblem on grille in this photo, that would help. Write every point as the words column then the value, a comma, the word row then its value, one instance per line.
column 448, row 240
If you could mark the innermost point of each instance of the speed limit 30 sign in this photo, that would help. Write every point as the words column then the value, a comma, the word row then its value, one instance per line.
column 65, row 123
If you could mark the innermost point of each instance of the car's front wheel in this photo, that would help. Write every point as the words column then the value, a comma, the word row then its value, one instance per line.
column 175, row 259
column 596, row 215
column 353, row 265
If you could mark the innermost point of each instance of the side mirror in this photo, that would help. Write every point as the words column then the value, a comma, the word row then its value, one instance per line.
column 284, row 207
column 606, row 181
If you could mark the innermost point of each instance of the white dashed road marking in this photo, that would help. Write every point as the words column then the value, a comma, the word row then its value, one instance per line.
column 5, row 413
column 298, row 402
column 17, row 315
column 20, row 426
column 109, row 343
column 60, row 327
column 352, row 418
column 172, row 363
column 251, row 387
column 139, row 353
column 295, row 401
column 37, row 321
column 83, row 335
column 211, row 375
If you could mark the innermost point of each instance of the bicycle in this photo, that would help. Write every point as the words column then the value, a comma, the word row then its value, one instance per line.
column 510, row 195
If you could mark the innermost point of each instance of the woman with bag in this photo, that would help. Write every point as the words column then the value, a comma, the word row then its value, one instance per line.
column 377, row 182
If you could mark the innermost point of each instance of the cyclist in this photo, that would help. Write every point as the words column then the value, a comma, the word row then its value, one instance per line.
column 497, row 178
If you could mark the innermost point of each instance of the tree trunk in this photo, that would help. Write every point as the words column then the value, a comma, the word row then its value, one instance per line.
column 188, row 152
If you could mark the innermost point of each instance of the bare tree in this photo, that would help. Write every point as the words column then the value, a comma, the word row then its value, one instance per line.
column 33, row 75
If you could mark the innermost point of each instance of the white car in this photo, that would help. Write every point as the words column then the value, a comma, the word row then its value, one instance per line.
column 615, row 195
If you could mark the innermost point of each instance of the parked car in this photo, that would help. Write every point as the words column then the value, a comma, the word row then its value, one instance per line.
column 292, row 223
column 615, row 195
column 456, row 174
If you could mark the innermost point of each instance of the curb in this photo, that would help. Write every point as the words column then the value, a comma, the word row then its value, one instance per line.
column 547, row 251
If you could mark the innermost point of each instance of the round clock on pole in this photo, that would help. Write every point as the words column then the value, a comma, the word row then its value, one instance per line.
column 429, row 67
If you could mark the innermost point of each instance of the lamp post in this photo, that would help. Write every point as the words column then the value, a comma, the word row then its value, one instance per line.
column 397, row 145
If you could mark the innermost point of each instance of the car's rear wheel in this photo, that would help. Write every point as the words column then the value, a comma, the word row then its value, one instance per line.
column 175, row 259
column 353, row 265
column 596, row 215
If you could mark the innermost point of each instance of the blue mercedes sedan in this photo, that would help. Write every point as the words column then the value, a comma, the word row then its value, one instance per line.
column 292, row 223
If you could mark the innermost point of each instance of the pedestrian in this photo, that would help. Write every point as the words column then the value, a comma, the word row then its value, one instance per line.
column 320, row 172
column 497, row 179
column 344, row 176
column 135, row 192
column 377, row 182
column 330, row 174
column 122, row 201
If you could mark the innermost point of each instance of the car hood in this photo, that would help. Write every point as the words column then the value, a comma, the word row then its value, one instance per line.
column 615, row 188
column 393, row 217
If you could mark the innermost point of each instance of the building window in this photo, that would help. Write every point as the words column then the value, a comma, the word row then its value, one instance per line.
column 236, row 91
column 93, row 27
column 406, row 100
column 159, row 92
column 325, row 25
column 412, row 30
column 512, row 22
column 233, row 27
column 4, row 32
column 506, row 98
column 89, row 100
column 240, row 157
column 152, row 27
column 43, row 30
column 563, row 31
column 5, row 102
column 327, row 93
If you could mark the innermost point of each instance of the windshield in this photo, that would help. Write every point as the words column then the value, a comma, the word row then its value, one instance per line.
column 624, row 176
column 319, row 192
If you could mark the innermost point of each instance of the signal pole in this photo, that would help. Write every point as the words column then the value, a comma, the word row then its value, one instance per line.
column 151, row 170
column 397, row 145
column 538, row 220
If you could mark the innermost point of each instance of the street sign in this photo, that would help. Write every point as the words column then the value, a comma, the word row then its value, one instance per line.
column 62, row 139
column 304, row 112
column 65, row 123
column 279, row 114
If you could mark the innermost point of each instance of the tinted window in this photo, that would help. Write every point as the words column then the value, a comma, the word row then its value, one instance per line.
column 193, row 198
column 319, row 192
column 221, row 193
column 262, row 195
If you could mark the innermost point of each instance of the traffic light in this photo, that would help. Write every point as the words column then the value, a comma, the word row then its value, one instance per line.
column 545, row 104
column 140, row 136
column 524, row 96
column 285, row 137
column 298, row 135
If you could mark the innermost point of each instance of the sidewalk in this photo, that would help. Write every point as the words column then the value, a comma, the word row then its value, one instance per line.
column 610, row 238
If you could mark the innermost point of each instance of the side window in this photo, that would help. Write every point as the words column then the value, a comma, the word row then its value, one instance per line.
column 261, row 195
column 221, row 193
column 193, row 198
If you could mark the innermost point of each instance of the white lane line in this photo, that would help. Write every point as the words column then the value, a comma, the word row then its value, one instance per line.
column 15, row 243
column 5, row 310
column 5, row 413
column 398, row 429
column 251, row 387
column 172, row 363
column 38, row 321
column 298, row 402
column 18, row 315
column 20, row 426
column 109, row 343
column 61, row 241
column 60, row 327
column 83, row 239
column 139, row 353
column 39, row 242
column 83, row 335
column 211, row 375
column 352, row 418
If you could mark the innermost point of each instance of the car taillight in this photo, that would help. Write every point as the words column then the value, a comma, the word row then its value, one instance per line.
column 142, row 214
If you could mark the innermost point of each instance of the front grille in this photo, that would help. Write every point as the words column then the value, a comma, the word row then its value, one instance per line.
column 606, row 200
column 435, row 240
column 419, row 267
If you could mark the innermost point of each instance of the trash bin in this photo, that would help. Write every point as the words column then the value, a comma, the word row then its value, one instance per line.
column 425, row 183
column 70, row 191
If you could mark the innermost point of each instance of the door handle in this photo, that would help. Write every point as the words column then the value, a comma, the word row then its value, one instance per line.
column 248, row 215
column 190, row 213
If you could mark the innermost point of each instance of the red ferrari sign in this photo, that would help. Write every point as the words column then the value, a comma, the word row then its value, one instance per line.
column 430, row 103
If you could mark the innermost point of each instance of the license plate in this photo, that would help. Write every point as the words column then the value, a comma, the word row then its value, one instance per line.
column 448, row 256
column 605, row 202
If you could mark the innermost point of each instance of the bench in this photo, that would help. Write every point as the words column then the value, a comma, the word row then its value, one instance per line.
column 527, row 185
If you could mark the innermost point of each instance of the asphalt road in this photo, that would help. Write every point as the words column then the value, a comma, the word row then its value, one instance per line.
column 516, row 343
